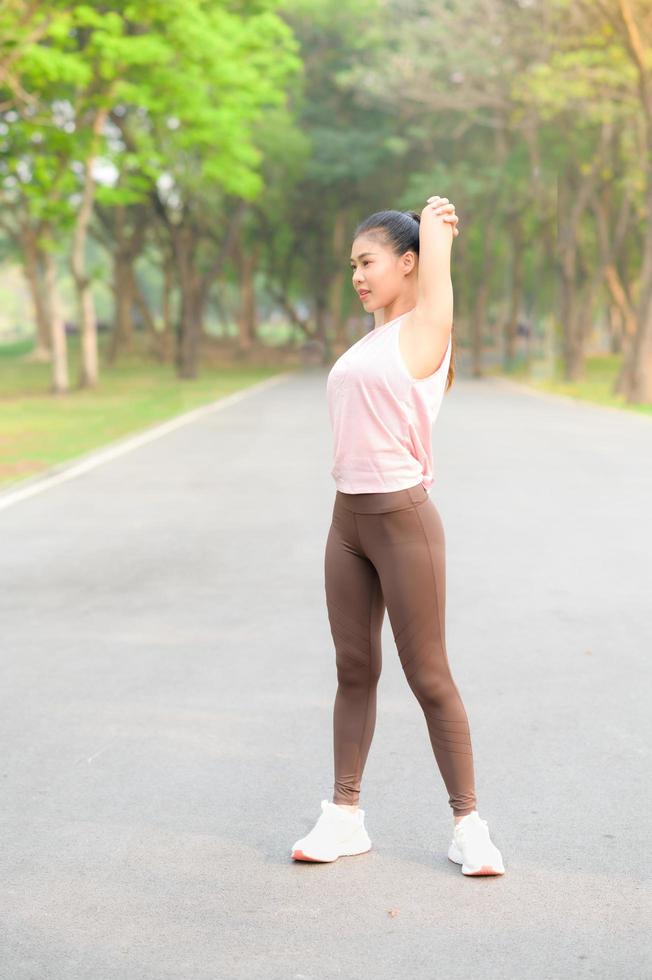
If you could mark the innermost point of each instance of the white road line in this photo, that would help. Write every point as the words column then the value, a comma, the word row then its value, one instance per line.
column 70, row 469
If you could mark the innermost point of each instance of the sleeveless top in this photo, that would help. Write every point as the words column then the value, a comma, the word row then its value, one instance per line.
column 381, row 416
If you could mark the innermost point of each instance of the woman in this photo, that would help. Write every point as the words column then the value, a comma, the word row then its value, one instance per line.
column 386, row 546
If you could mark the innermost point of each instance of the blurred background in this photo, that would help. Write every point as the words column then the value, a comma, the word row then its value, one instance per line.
column 180, row 183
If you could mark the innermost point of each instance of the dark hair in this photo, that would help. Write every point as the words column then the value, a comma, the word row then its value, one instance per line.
column 399, row 230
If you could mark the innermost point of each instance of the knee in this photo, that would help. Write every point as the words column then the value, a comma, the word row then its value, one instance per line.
column 357, row 673
column 433, row 689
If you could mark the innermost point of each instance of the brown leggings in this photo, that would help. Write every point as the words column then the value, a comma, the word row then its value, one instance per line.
column 388, row 549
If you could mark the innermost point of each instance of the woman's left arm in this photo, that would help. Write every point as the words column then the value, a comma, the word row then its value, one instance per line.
column 432, row 317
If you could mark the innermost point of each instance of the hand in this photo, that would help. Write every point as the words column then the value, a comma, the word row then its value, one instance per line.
column 442, row 206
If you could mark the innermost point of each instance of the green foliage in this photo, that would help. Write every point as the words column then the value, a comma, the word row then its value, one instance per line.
column 189, row 81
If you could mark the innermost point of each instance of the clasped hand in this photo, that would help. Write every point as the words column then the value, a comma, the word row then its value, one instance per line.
column 442, row 206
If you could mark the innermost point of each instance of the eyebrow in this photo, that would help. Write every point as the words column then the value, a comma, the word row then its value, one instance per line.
column 362, row 255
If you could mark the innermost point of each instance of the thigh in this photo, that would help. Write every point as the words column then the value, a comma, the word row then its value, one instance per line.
column 354, row 596
column 408, row 549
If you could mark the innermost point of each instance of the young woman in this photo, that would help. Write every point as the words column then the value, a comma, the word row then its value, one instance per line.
column 386, row 546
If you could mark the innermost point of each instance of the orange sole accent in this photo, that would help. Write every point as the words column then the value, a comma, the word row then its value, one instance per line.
column 300, row 856
column 486, row 869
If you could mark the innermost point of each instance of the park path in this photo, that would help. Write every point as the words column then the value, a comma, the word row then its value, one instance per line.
column 167, row 689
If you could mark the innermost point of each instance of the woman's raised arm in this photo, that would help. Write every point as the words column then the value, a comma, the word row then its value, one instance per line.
column 432, row 318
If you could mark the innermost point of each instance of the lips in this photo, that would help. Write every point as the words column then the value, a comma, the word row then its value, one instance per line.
column 363, row 292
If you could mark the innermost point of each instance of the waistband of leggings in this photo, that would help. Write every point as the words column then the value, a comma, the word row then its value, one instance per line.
column 383, row 502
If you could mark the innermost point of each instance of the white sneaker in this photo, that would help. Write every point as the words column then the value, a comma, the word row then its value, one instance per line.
column 471, row 847
column 337, row 833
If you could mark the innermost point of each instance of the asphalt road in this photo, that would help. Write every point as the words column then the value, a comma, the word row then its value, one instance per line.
column 166, row 706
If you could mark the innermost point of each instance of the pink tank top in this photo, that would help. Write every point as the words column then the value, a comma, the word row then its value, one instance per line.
column 381, row 416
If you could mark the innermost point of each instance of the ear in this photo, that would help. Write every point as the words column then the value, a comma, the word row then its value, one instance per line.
column 409, row 261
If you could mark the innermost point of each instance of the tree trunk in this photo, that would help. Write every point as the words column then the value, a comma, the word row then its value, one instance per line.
column 33, row 268
column 321, row 314
column 636, row 383
column 124, row 254
column 638, row 360
column 229, row 247
column 620, row 311
column 185, row 247
column 516, row 291
column 573, row 352
column 246, row 261
column 151, row 333
column 338, row 338
column 586, row 309
column 478, row 322
column 479, row 310
column 87, row 319
column 122, row 337
column 60, row 382
column 574, row 194
column 167, row 339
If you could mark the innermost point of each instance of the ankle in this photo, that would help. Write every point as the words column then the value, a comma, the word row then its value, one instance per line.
column 461, row 816
column 346, row 806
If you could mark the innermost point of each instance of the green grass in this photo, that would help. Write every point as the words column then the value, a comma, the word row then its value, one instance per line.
column 596, row 387
column 39, row 430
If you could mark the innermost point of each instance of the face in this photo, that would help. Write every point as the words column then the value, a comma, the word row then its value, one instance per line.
column 379, row 274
